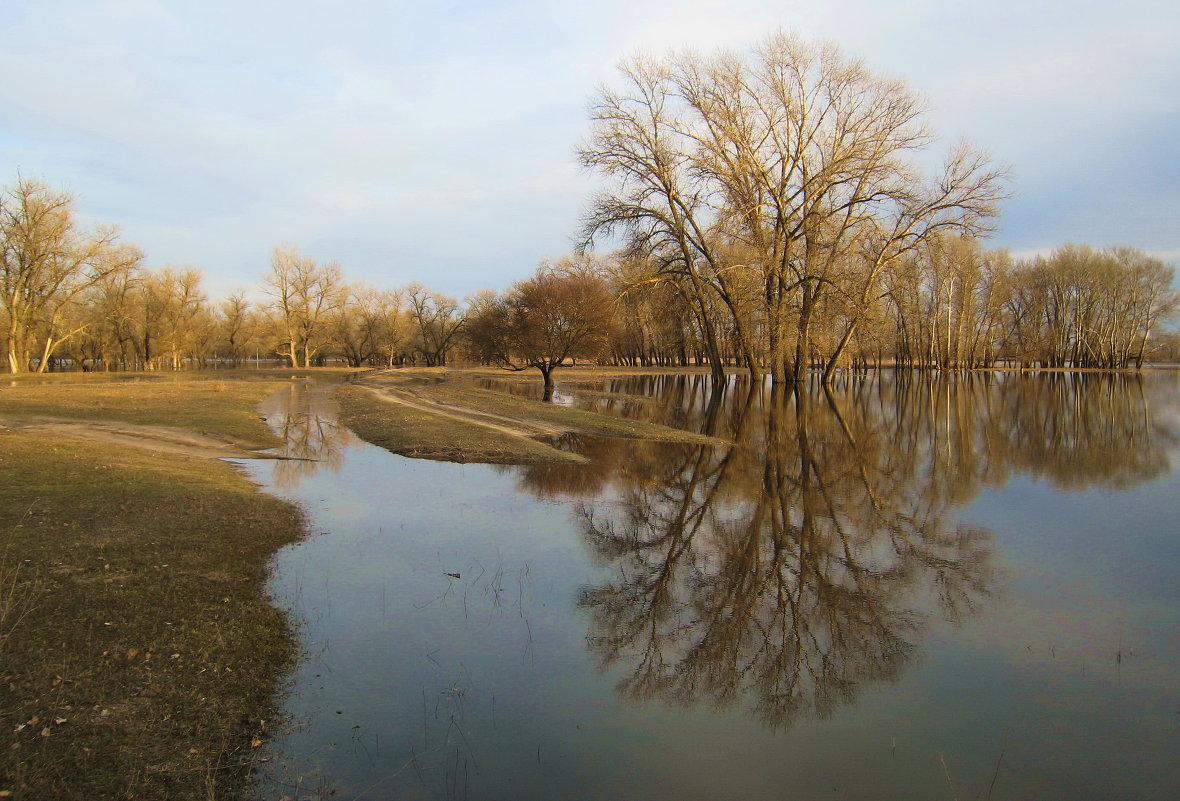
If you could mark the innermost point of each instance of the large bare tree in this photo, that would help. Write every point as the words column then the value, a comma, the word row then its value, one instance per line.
column 794, row 165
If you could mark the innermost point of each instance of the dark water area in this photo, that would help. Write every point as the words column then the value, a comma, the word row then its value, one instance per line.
column 893, row 588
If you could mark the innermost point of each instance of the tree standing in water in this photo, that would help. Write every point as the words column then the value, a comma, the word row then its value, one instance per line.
column 793, row 167
column 564, row 311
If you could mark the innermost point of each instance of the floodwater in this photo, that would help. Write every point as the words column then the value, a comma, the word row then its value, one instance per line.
column 899, row 588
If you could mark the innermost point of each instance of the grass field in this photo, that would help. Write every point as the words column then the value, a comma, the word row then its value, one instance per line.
column 139, row 657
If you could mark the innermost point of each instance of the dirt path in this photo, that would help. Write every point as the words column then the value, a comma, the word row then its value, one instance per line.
column 159, row 439
column 526, row 429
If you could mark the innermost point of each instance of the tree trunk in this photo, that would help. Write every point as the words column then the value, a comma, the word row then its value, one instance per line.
column 803, row 341
column 547, row 375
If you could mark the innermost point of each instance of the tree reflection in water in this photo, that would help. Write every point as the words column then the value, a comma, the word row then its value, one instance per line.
column 797, row 565
column 303, row 416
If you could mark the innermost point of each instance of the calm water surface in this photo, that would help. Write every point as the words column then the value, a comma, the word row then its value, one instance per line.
column 896, row 589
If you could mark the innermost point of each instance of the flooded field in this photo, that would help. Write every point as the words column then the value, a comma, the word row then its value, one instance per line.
column 897, row 588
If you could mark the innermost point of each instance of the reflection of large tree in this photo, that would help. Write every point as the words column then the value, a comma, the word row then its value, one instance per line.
column 774, row 569
column 312, row 438
column 798, row 564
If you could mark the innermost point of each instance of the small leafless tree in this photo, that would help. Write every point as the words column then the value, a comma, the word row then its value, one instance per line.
column 439, row 320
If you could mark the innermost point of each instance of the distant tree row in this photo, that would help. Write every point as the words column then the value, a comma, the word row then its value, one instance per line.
column 84, row 300
column 950, row 304
column 81, row 299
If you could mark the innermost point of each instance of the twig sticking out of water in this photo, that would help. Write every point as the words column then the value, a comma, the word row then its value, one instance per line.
column 946, row 771
column 995, row 775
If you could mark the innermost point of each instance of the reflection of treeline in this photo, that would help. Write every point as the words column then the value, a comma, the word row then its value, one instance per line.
column 787, row 570
column 81, row 299
column 1076, row 430
column 312, row 440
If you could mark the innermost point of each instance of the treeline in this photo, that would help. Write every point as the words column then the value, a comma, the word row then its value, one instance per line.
column 951, row 304
column 83, row 300
column 79, row 299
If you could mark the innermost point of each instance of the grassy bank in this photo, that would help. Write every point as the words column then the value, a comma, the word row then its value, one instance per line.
column 138, row 655
column 448, row 419
column 207, row 404
column 425, row 434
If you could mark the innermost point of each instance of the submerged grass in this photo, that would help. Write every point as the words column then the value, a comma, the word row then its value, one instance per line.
column 575, row 420
column 142, row 655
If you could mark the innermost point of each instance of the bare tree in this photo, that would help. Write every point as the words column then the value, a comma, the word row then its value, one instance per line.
column 305, row 296
column 237, row 327
column 438, row 319
column 792, row 166
column 660, row 203
column 182, row 310
column 359, row 325
column 110, row 339
column 46, row 264
column 396, row 329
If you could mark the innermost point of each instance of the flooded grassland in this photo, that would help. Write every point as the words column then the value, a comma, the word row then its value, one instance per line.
column 892, row 588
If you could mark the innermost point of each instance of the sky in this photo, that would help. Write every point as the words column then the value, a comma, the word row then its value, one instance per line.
column 435, row 142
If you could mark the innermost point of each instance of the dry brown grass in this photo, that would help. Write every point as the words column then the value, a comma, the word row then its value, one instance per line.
column 223, row 407
column 421, row 433
column 452, row 420
column 146, row 661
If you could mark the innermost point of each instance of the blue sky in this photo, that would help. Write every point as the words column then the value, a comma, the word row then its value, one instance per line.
column 435, row 142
